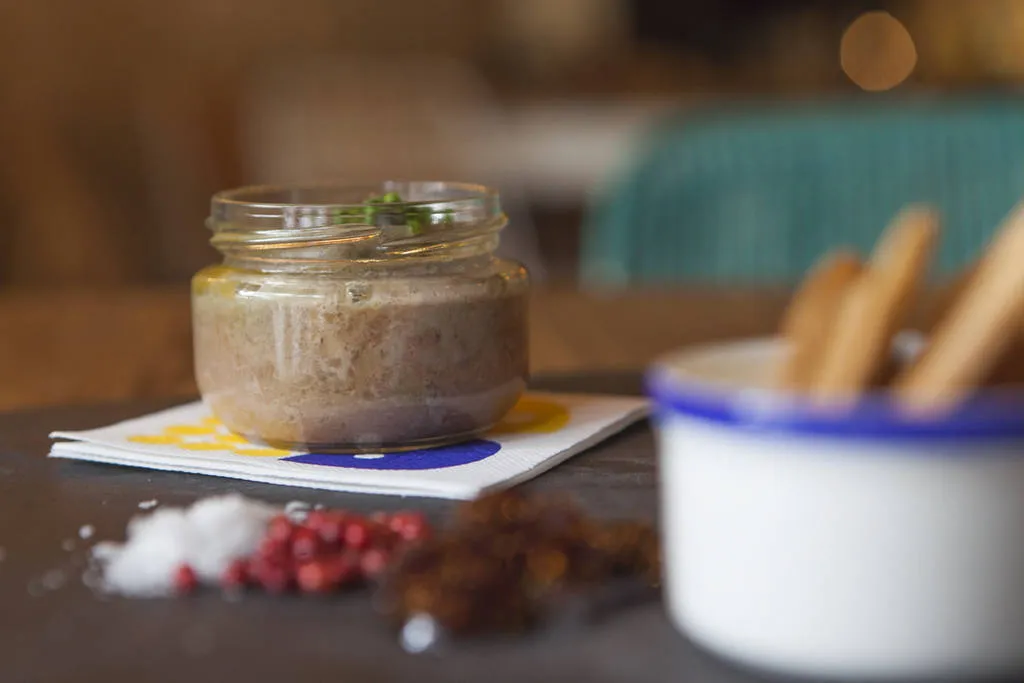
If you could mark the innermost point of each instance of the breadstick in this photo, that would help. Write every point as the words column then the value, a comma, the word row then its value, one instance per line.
column 891, row 367
column 811, row 314
column 978, row 330
column 945, row 298
column 875, row 307
column 1009, row 371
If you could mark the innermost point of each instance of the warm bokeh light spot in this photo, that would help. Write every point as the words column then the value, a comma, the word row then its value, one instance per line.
column 878, row 52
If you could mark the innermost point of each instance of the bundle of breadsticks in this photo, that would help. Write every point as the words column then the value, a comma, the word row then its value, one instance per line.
column 841, row 325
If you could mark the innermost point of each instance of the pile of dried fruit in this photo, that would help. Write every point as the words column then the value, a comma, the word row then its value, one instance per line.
column 508, row 558
column 327, row 551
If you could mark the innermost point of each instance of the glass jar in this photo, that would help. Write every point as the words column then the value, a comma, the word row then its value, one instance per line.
column 348, row 319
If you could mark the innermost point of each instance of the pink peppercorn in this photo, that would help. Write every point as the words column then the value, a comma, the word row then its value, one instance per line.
column 185, row 579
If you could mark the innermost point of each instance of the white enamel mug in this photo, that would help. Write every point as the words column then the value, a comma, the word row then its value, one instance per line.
column 862, row 544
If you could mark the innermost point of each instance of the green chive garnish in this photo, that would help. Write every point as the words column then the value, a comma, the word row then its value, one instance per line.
column 417, row 218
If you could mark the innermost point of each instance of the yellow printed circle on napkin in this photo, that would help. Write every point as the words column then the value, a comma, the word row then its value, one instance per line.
column 532, row 415
column 208, row 435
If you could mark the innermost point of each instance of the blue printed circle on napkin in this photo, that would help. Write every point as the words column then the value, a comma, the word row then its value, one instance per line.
column 425, row 459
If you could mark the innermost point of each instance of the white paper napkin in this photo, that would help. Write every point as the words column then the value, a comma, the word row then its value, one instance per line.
column 542, row 431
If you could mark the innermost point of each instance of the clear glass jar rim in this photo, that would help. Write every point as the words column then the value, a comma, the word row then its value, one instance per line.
column 262, row 201
column 430, row 214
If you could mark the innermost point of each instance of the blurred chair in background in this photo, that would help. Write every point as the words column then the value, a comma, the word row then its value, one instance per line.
column 756, row 195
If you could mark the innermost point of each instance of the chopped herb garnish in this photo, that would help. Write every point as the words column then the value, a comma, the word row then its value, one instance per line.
column 348, row 216
column 417, row 218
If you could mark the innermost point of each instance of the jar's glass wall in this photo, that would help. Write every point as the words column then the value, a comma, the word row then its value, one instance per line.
column 362, row 357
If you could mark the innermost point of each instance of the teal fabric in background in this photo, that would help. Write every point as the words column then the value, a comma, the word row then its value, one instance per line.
column 757, row 194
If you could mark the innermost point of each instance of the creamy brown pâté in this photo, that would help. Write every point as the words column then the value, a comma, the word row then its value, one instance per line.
column 323, row 362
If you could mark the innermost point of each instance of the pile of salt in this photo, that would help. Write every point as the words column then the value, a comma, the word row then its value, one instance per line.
column 208, row 536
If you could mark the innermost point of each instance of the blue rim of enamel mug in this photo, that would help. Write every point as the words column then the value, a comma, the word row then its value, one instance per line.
column 989, row 415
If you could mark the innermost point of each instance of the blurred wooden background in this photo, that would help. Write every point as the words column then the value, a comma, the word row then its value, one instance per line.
column 119, row 118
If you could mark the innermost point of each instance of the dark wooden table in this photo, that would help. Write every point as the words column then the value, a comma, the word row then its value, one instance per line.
column 70, row 634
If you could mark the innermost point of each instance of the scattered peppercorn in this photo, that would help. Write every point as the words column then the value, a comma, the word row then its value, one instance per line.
column 327, row 551
column 236, row 576
column 185, row 580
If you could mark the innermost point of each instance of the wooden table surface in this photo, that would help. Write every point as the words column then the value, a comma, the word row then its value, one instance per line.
column 60, row 348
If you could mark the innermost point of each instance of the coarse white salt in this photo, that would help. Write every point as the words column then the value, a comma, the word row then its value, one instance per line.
column 86, row 531
column 148, row 504
column 297, row 510
column 206, row 536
